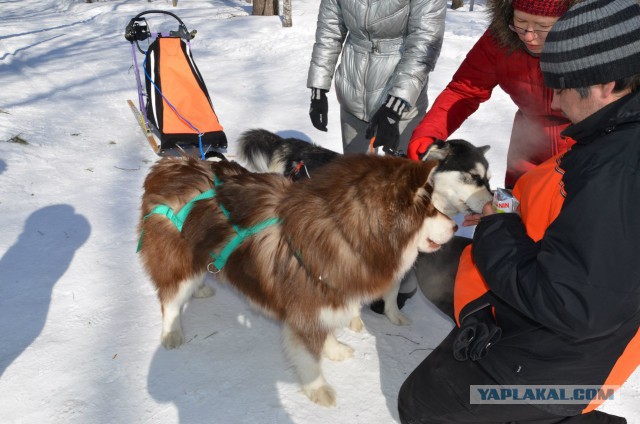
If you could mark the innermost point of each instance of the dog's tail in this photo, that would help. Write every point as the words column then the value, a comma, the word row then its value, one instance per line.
column 258, row 149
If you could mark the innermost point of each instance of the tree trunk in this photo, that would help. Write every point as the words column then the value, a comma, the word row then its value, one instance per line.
column 265, row 7
column 286, row 10
column 455, row 4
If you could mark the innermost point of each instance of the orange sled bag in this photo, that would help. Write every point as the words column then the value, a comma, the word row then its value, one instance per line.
column 178, row 102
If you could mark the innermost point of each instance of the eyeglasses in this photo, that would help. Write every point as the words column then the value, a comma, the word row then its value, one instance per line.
column 537, row 33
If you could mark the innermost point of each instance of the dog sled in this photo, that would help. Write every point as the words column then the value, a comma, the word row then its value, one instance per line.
column 174, row 109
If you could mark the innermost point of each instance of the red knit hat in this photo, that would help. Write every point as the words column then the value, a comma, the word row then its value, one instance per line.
column 554, row 8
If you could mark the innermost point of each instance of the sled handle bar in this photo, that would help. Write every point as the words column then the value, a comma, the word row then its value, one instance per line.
column 137, row 29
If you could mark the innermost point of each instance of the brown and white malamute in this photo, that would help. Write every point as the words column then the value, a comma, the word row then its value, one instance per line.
column 308, row 254
column 461, row 180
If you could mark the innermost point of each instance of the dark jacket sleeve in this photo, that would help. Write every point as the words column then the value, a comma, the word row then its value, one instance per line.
column 582, row 278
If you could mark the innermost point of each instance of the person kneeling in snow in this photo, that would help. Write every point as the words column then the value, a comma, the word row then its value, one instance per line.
column 552, row 296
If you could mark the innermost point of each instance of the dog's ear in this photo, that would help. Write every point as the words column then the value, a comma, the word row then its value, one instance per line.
column 484, row 149
column 438, row 150
column 419, row 181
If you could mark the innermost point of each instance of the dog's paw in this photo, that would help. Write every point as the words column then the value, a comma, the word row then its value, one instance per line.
column 338, row 351
column 356, row 324
column 335, row 350
column 204, row 291
column 172, row 339
column 397, row 317
column 323, row 395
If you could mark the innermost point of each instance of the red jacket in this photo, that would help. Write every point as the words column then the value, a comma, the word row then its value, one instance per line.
column 535, row 136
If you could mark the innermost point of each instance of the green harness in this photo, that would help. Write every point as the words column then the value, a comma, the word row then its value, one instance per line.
column 179, row 218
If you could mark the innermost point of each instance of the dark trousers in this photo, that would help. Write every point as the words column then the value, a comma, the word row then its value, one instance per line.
column 438, row 392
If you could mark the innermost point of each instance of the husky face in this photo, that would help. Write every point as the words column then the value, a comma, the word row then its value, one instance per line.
column 461, row 180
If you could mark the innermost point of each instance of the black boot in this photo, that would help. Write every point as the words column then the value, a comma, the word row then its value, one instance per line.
column 408, row 287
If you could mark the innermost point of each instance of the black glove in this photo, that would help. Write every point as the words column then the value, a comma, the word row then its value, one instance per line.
column 478, row 331
column 385, row 125
column 319, row 108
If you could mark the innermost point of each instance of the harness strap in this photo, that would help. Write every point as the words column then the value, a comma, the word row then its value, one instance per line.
column 220, row 260
column 176, row 218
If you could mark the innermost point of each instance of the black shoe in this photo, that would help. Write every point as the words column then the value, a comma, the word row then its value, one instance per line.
column 377, row 306
column 402, row 297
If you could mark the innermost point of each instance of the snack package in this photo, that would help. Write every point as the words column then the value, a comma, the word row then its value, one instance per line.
column 504, row 202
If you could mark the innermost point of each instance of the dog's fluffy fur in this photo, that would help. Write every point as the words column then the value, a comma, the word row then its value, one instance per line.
column 461, row 177
column 345, row 237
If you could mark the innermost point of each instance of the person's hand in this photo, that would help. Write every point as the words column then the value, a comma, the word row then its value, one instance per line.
column 471, row 219
column 488, row 209
column 385, row 125
column 319, row 108
column 418, row 147
column 474, row 218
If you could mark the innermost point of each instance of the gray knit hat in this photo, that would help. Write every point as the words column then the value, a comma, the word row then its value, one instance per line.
column 595, row 42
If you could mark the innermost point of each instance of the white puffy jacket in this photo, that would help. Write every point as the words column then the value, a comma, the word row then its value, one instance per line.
column 387, row 46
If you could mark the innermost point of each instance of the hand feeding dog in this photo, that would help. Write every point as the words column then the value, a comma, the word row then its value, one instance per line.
column 307, row 253
column 461, row 179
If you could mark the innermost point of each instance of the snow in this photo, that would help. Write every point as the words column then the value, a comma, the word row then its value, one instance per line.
column 79, row 320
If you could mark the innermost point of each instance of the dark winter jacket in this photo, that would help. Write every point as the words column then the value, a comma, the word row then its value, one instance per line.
column 385, row 47
column 499, row 58
column 569, row 303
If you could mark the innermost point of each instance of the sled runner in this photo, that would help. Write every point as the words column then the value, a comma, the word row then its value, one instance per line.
column 174, row 109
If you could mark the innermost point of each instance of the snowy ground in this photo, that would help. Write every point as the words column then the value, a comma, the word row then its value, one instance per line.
column 79, row 321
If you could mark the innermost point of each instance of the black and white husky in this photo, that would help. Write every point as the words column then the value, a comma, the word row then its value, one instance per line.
column 264, row 151
column 461, row 177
